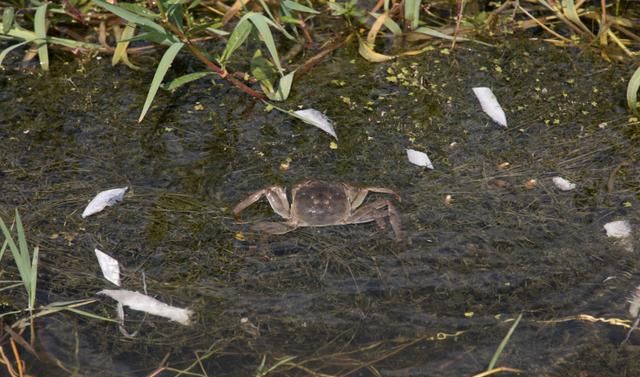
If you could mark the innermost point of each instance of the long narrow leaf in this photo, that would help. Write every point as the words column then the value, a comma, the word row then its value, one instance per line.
column 40, row 28
column 632, row 91
column 299, row 7
column 412, row 12
column 184, row 79
column 22, row 240
column 130, row 16
column 7, row 50
column 237, row 38
column 7, row 18
column 503, row 344
column 389, row 23
column 161, row 71
column 284, row 88
column 120, row 53
column 34, row 278
column 262, row 25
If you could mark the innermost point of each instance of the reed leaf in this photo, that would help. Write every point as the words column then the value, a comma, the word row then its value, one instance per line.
column 632, row 91
column 503, row 344
column 161, row 71
column 27, row 267
column 7, row 18
column 40, row 28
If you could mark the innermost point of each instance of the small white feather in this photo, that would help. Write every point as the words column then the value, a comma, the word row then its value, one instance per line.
column 618, row 229
column 109, row 266
column 419, row 158
column 144, row 303
column 563, row 184
column 316, row 118
column 104, row 199
column 490, row 105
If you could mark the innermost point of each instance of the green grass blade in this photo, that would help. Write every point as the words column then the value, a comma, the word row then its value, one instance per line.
column 262, row 25
column 503, row 344
column 185, row 79
column 237, row 38
column 4, row 247
column 120, row 52
column 7, row 18
column 632, row 91
column 8, row 239
column 292, row 5
column 34, row 278
column 7, row 50
column 18, row 256
column 412, row 12
column 40, row 28
column 139, row 10
column 389, row 24
column 284, row 88
column 129, row 16
column 22, row 239
column 161, row 71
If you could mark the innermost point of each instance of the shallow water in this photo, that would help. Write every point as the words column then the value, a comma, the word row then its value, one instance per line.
column 341, row 300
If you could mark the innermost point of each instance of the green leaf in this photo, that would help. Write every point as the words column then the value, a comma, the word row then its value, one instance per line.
column 34, row 278
column 40, row 28
column 7, row 50
column 299, row 7
column 161, row 71
column 120, row 52
column 262, row 69
column 389, row 24
column 184, row 79
column 7, row 19
column 262, row 25
column 237, row 38
column 284, row 88
column 139, row 10
column 438, row 34
column 504, row 342
column 131, row 17
column 151, row 36
column 632, row 92
column 412, row 12
column 175, row 15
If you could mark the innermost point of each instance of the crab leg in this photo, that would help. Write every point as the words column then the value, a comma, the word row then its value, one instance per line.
column 374, row 212
column 358, row 198
column 276, row 196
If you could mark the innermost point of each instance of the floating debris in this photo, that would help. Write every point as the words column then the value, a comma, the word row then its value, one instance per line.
column 419, row 158
column 109, row 266
column 147, row 304
column 621, row 231
column 104, row 199
column 563, row 184
column 490, row 105
column 316, row 118
column 618, row 229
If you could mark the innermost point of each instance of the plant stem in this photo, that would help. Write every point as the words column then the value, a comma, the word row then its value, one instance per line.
column 212, row 66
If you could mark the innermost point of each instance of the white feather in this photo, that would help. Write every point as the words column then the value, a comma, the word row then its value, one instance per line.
column 490, row 105
column 144, row 303
column 563, row 184
column 109, row 266
column 316, row 118
column 104, row 199
column 419, row 158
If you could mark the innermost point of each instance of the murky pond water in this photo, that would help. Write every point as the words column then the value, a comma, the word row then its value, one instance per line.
column 344, row 300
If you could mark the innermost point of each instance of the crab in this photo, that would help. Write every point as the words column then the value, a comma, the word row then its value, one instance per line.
column 316, row 203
